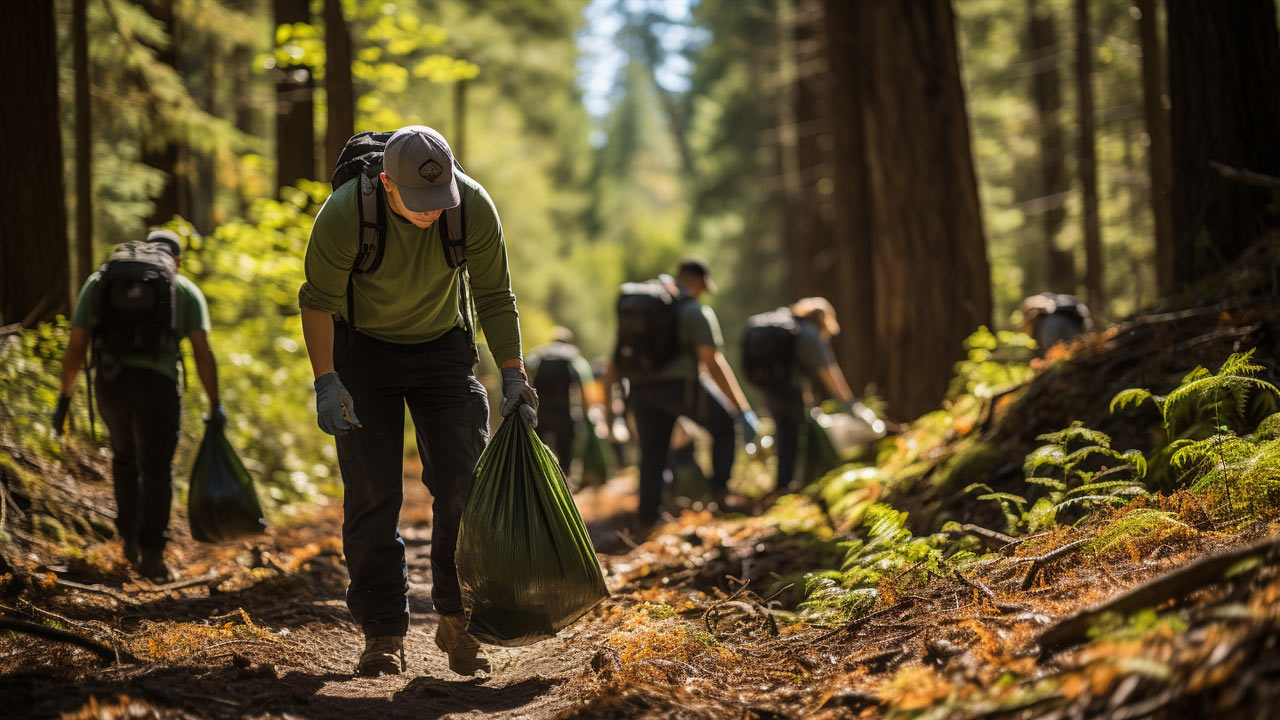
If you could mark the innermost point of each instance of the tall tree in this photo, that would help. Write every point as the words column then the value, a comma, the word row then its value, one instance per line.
column 1046, row 94
column 340, row 93
column 295, row 107
column 83, row 140
column 1224, row 69
column 909, row 182
column 1086, row 161
column 159, row 149
column 34, row 258
column 805, row 143
column 1158, row 151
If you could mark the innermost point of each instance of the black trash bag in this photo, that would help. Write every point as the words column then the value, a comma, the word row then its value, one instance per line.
column 595, row 457
column 525, row 562
column 221, row 502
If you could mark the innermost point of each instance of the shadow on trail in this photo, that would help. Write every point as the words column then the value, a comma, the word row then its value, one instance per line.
column 237, row 689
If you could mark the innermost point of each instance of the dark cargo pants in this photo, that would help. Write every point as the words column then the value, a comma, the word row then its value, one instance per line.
column 141, row 409
column 450, row 412
column 787, row 408
column 558, row 430
column 657, row 405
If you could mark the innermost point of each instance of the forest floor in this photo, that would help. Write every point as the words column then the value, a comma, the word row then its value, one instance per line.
column 259, row 629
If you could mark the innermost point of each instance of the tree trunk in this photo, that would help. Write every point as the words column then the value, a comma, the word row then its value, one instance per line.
column 852, row 239
column 1046, row 92
column 808, row 212
column 295, row 110
column 1224, row 68
column 34, row 257
column 84, row 143
column 158, row 149
column 1154, row 99
column 1087, row 163
column 337, row 83
column 907, row 171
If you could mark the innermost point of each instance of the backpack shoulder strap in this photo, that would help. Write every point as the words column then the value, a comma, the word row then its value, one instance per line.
column 453, row 230
column 373, row 225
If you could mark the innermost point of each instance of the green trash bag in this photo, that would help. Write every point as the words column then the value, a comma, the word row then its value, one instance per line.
column 595, row 458
column 525, row 562
column 221, row 501
column 821, row 456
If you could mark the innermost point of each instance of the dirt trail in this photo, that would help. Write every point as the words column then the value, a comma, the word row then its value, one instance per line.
column 292, row 650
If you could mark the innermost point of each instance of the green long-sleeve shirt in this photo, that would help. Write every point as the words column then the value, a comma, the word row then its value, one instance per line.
column 413, row 295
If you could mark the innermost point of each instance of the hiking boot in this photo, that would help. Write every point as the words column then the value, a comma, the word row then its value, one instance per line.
column 152, row 566
column 382, row 655
column 465, row 655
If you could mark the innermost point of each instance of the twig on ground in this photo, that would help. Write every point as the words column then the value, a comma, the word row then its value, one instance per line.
column 1039, row 561
column 96, row 589
column 104, row 652
column 976, row 585
column 178, row 585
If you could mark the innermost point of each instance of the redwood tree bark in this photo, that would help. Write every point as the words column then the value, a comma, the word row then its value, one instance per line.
column 34, row 257
column 1224, row 71
column 909, row 184
column 337, row 84
column 1046, row 93
column 295, row 107
column 84, row 142
column 1158, row 152
column 1086, row 162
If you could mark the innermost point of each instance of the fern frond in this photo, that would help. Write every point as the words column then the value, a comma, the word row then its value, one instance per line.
column 1078, row 456
column 1108, row 487
column 1047, row 482
column 1076, row 432
column 1240, row 364
column 1136, row 460
column 1268, row 429
column 1005, row 497
column 978, row 486
column 1131, row 397
column 1082, row 499
column 1051, row 455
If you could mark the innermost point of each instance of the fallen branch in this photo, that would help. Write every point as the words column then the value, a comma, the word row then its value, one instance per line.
column 214, row 577
column 107, row 654
column 1178, row 583
column 1039, row 562
column 988, row 533
column 96, row 589
column 1247, row 177
column 976, row 585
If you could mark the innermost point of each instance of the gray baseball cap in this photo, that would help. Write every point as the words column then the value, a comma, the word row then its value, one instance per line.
column 418, row 160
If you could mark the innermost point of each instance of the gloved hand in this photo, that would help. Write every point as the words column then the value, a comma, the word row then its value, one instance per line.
column 750, row 426
column 60, row 414
column 518, row 393
column 335, row 410
column 217, row 416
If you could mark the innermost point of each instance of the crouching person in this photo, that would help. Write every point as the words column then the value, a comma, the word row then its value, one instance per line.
column 134, row 311
column 387, row 322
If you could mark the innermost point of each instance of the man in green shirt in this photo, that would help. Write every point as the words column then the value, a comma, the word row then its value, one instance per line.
column 139, row 395
column 698, row 384
column 396, row 335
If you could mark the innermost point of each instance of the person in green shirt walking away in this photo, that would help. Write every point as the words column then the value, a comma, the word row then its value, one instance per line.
column 133, row 311
column 787, row 354
column 386, row 315
column 669, row 351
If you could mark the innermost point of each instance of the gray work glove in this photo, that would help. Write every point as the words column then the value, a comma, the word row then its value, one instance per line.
column 335, row 410
column 518, row 393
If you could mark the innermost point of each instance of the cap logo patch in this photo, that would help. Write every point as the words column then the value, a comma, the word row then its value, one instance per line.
column 430, row 171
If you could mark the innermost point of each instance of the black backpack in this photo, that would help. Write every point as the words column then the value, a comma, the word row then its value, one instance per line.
column 554, row 378
column 136, row 308
column 648, row 334
column 769, row 348
column 361, row 160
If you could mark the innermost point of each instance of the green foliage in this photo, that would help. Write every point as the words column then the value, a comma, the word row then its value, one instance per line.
column 1206, row 400
column 1133, row 526
column 1069, row 470
column 994, row 362
column 883, row 549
